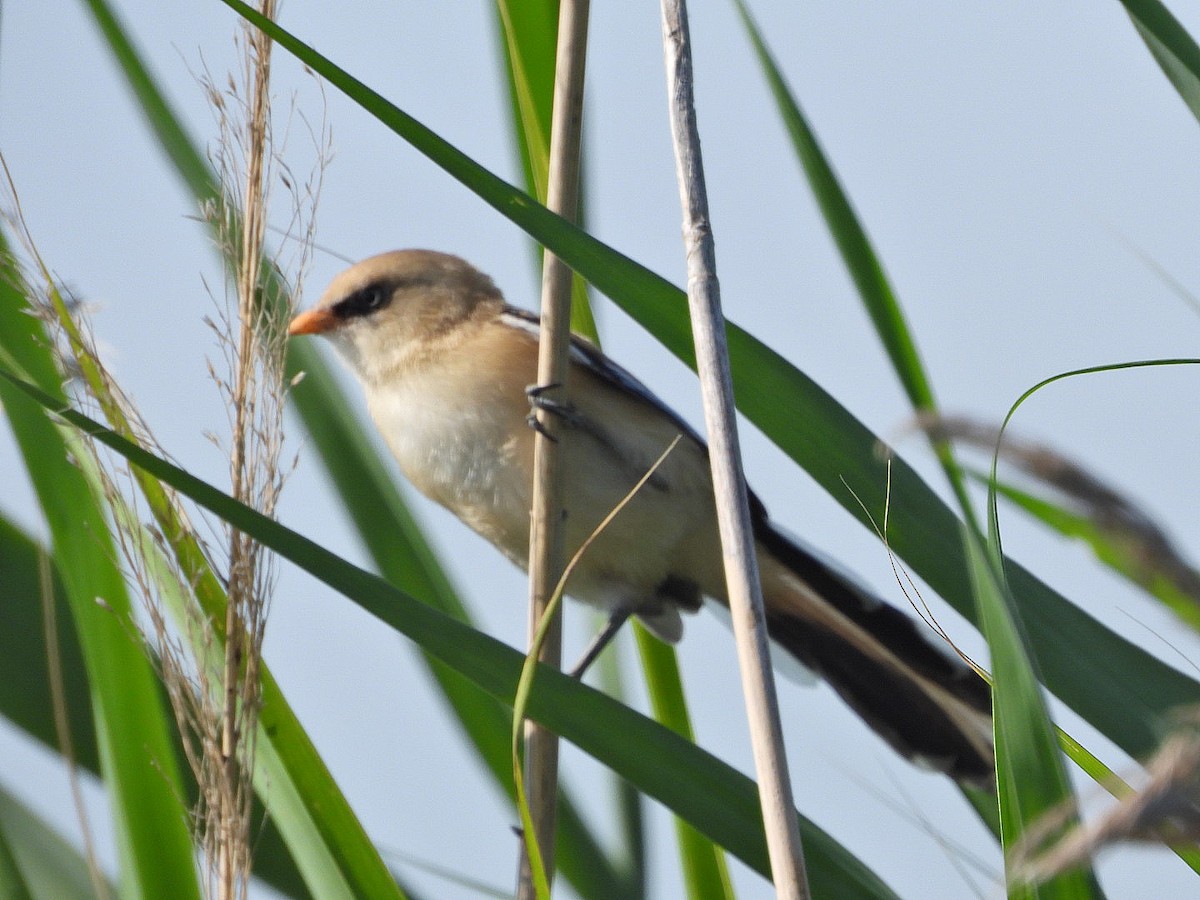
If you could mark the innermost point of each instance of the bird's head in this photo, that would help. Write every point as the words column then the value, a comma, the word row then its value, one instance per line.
column 397, row 308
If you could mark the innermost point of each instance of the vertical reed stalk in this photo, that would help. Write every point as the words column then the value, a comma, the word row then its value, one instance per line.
column 545, row 550
column 733, row 510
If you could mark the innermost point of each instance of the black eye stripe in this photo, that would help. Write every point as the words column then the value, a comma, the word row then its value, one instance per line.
column 364, row 301
column 375, row 296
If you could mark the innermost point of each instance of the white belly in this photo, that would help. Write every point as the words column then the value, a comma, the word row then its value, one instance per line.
column 473, row 455
column 462, row 454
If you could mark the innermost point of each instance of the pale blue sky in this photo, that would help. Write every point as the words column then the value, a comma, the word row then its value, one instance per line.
column 1001, row 158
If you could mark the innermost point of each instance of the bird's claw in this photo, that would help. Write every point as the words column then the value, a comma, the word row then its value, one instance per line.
column 538, row 400
column 535, row 423
column 535, row 391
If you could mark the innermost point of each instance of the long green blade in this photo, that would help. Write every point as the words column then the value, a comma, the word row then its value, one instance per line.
column 1171, row 46
column 717, row 799
column 859, row 256
column 1030, row 776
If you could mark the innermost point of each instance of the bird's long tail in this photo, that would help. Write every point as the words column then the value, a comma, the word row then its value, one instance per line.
column 927, row 704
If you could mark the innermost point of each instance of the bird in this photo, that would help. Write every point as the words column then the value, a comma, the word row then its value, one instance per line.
column 448, row 368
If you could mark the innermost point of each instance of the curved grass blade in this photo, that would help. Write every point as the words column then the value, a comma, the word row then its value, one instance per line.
column 529, row 671
column 529, row 45
column 1119, row 688
column 1031, row 777
column 370, row 497
column 720, row 801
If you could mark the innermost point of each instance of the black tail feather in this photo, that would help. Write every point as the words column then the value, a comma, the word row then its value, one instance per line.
column 941, row 727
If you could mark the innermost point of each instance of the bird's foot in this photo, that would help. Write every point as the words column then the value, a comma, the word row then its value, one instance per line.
column 538, row 400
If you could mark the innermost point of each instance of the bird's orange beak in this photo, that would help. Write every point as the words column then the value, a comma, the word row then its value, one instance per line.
column 313, row 321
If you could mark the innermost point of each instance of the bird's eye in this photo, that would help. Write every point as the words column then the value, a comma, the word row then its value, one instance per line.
column 372, row 298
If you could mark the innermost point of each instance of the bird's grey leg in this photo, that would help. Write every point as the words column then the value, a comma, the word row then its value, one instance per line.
column 602, row 640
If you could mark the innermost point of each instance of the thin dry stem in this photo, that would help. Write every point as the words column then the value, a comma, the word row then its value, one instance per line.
column 733, row 511
column 904, row 580
column 62, row 725
column 545, row 549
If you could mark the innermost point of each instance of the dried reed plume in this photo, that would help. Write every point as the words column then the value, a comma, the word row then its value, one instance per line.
column 253, row 345
column 204, row 615
column 251, row 333
column 1165, row 809
column 1153, row 557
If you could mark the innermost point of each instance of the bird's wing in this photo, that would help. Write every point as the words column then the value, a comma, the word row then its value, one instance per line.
column 592, row 358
